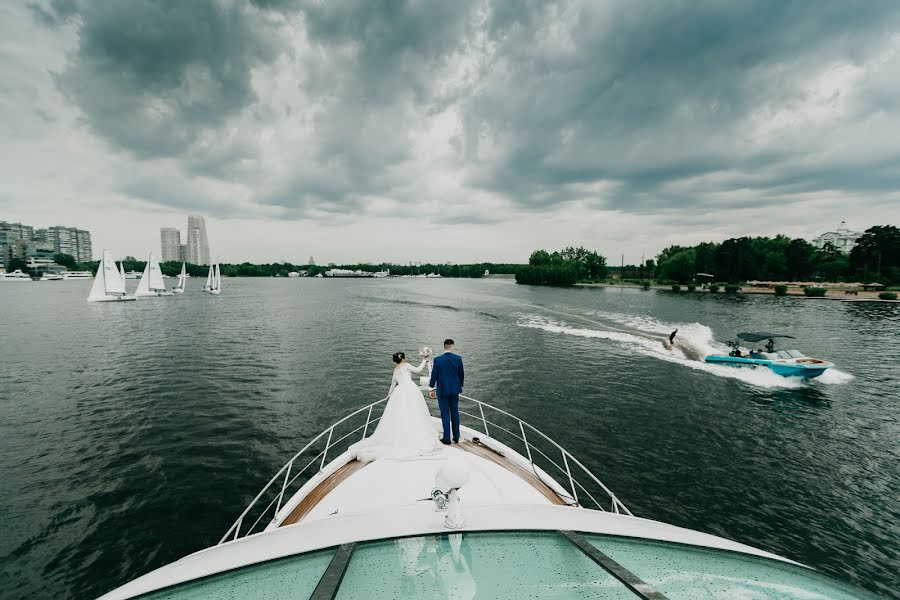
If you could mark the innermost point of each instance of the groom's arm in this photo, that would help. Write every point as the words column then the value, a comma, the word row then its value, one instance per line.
column 462, row 373
column 434, row 370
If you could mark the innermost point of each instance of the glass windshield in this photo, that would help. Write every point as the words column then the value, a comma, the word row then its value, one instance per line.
column 511, row 565
column 683, row 572
column 294, row 577
column 515, row 565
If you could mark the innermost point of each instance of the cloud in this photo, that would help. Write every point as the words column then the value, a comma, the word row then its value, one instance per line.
column 474, row 112
column 152, row 77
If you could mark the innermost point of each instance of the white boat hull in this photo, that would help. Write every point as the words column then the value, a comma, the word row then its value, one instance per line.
column 111, row 299
column 177, row 291
column 152, row 294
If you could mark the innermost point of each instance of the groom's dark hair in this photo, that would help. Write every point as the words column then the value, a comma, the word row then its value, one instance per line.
column 448, row 342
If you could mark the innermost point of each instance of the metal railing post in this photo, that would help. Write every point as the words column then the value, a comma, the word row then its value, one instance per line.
column 284, row 486
column 368, row 418
column 483, row 420
column 569, row 473
column 527, row 447
column 237, row 527
column 327, row 445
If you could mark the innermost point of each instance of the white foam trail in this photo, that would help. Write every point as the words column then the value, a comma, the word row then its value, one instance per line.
column 696, row 337
column 833, row 377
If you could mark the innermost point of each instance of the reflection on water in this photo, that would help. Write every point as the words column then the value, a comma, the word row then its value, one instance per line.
column 136, row 432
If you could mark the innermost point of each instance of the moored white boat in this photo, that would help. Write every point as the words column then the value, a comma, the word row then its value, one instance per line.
column 478, row 519
column 152, row 284
column 108, row 283
column 16, row 275
column 75, row 275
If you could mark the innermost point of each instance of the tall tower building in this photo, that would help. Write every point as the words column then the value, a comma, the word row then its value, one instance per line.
column 197, row 242
column 83, row 249
column 170, row 242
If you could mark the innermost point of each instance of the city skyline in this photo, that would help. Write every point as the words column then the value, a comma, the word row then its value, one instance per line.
column 623, row 127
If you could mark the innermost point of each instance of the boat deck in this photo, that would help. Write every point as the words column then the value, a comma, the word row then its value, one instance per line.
column 356, row 486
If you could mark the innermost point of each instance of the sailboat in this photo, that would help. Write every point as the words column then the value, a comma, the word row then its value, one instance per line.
column 179, row 287
column 122, row 271
column 152, row 283
column 214, row 279
column 109, row 286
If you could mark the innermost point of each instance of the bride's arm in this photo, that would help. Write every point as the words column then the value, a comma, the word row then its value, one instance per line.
column 416, row 369
column 393, row 383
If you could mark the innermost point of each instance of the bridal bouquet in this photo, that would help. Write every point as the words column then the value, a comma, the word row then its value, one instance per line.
column 426, row 353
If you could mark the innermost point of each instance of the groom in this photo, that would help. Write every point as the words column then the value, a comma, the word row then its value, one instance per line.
column 447, row 375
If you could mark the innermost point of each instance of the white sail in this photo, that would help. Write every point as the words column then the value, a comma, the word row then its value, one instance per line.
column 143, row 288
column 218, row 277
column 122, row 272
column 179, row 287
column 156, row 280
column 115, row 284
column 209, row 279
column 98, row 290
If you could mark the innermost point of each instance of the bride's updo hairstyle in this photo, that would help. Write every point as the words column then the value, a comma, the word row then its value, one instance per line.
column 398, row 357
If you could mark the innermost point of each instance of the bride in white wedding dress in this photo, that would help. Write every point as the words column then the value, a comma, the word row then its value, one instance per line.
column 405, row 429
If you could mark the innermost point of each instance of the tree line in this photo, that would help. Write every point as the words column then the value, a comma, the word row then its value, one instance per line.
column 562, row 267
column 876, row 257
column 246, row 269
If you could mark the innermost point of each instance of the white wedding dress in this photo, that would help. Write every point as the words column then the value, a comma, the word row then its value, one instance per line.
column 405, row 429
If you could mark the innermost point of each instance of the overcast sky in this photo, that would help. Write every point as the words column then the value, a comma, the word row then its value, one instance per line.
column 448, row 131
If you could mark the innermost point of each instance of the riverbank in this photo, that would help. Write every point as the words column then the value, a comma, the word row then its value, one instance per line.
column 795, row 292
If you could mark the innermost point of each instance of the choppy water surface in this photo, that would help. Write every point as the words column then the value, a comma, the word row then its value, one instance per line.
column 135, row 433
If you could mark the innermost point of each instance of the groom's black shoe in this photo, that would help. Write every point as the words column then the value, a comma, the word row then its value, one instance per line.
column 445, row 442
column 456, row 441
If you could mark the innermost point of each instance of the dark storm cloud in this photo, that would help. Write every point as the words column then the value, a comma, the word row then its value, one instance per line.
column 656, row 103
column 651, row 93
column 152, row 76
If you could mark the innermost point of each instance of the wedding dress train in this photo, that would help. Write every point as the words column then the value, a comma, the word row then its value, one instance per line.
column 405, row 429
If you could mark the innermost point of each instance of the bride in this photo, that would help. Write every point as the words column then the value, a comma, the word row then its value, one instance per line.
column 405, row 429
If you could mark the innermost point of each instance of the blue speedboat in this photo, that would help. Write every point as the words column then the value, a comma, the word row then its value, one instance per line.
column 788, row 363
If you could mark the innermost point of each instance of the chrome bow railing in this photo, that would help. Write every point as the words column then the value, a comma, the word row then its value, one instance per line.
column 542, row 453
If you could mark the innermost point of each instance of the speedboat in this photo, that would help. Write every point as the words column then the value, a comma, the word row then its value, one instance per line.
column 505, row 513
column 16, row 275
column 788, row 363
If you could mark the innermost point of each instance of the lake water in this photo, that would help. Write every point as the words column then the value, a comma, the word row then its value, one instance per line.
column 135, row 433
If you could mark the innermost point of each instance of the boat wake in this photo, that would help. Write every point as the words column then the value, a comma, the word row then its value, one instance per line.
column 693, row 342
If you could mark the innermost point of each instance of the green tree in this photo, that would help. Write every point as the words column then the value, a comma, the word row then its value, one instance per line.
column 680, row 267
column 16, row 263
column 705, row 257
column 539, row 257
column 831, row 263
column 877, row 253
column 66, row 260
column 800, row 257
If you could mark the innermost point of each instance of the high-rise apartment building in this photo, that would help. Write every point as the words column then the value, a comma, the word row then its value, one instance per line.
column 26, row 242
column 170, row 240
column 197, row 242
column 83, row 249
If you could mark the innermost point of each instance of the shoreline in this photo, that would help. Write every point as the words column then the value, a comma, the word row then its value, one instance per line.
column 797, row 293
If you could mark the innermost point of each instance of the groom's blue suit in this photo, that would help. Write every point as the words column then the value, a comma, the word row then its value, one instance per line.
column 448, row 375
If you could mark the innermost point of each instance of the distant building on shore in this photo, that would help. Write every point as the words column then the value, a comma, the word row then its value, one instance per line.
column 170, row 244
column 842, row 238
column 197, row 242
column 37, row 246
